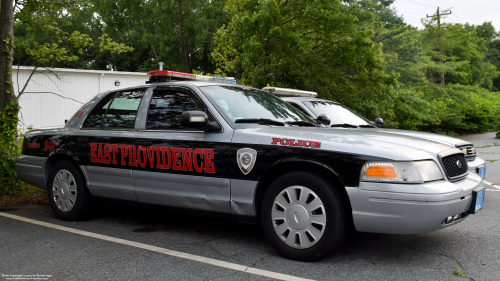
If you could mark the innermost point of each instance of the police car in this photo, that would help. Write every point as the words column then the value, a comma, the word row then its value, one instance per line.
column 335, row 115
column 207, row 144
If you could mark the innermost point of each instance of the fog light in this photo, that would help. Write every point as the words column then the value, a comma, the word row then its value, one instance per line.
column 456, row 217
column 449, row 219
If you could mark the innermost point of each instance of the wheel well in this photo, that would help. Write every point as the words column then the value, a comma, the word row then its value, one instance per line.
column 52, row 162
column 272, row 174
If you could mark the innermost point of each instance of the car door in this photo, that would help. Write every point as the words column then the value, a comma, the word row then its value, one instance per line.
column 104, row 141
column 178, row 166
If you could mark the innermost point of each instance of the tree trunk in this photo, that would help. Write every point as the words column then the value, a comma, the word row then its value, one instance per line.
column 184, row 52
column 6, row 53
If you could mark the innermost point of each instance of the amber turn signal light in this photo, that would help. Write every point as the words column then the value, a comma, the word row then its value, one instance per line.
column 381, row 172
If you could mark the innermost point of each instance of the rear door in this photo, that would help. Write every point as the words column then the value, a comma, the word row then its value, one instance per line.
column 179, row 166
column 105, row 141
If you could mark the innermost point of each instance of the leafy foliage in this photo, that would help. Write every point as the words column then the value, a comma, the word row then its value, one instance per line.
column 8, row 148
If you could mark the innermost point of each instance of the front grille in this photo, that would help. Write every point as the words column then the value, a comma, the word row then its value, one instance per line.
column 451, row 165
column 471, row 151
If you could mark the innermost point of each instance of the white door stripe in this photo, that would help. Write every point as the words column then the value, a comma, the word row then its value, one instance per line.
column 214, row 262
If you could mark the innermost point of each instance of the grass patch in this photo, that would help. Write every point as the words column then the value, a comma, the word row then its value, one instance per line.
column 489, row 145
column 27, row 195
column 459, row 272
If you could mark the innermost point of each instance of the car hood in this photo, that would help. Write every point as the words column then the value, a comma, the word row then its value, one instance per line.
column 363, row 142
column 424, row 135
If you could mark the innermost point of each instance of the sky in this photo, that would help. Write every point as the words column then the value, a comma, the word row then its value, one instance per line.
column 463, row 11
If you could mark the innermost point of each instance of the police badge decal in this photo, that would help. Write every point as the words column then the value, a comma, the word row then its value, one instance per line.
column 246, row 159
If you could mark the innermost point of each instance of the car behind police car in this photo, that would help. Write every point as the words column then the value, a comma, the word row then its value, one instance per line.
column 343, row 117
column 231, row 150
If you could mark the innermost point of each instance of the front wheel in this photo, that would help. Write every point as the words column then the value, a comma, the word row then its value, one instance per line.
column 68, row 193
column 303, row 216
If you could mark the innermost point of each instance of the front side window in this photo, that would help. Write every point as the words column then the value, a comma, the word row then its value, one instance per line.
column 298, row 107
column 166, row 107
column 239, row 104
column 117, row 110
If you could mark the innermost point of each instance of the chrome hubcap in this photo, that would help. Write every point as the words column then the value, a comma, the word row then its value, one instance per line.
column 64, row 190
column 298, row 217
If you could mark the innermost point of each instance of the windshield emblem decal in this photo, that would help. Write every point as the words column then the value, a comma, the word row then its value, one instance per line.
column 246, row 159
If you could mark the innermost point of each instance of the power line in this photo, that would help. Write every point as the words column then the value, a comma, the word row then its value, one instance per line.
column 421, row 4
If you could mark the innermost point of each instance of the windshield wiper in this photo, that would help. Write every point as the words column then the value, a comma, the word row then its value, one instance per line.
column 261, row 121
column 301, row 123
column 367, row 126
column 345, row 125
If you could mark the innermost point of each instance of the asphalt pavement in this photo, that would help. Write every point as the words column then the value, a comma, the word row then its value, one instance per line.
column 90, row 250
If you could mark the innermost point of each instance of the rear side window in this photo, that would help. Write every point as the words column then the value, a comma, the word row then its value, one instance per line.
column 167, row 106
column 117, row 110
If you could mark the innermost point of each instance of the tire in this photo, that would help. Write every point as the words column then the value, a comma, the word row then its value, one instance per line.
column 304, row 229
column 68, row 194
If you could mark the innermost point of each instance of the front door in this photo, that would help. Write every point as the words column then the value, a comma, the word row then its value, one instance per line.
column 179, row 166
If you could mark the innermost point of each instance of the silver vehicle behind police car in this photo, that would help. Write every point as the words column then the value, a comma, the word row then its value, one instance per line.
column 231, row 150
column 340, row 116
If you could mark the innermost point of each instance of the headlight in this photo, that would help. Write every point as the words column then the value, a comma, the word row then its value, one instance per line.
column 401, row 172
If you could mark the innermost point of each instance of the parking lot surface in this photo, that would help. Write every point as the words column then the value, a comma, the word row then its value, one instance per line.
column 469, row 248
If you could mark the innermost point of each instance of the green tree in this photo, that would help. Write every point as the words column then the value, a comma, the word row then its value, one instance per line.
column 324, row 46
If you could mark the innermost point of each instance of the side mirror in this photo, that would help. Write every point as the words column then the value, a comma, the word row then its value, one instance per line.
column 323, row 120
column 198, row 120
column 379, row 122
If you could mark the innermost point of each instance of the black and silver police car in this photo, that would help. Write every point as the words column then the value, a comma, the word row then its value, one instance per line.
column 201, row 143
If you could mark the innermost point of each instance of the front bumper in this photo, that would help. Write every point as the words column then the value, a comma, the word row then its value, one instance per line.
column 476, row 163
column 410, row 208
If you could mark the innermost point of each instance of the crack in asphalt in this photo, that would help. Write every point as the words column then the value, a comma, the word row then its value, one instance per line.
column 261, row 260
column 222, row 276
column 444, row 255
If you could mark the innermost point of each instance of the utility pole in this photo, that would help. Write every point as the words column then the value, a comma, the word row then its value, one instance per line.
column 438, row 15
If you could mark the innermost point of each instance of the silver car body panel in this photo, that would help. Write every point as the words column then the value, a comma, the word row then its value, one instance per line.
column 243, row 197
column 31, row 170
column 409, row 208
column 186, row 191
column 111, row 182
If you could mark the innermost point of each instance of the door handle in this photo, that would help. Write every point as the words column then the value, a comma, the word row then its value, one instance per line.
column 82, row 139
column 143, row 142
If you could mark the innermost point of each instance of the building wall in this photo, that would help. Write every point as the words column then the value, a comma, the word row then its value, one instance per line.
column 55, row 95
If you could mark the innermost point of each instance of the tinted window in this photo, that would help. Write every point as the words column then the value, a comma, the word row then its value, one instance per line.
column 94, row 120
column 298, row 107
column 123, row 110
column 117, row 110
column 167, row 106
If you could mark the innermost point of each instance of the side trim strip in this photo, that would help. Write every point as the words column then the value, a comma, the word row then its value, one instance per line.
column 188, row 179
column 31, row 166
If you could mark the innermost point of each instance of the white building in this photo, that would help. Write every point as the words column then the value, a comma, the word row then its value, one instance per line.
column 56, row 94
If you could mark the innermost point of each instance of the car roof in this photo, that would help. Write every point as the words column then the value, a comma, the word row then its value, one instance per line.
column 302, row 99
column 180, row 83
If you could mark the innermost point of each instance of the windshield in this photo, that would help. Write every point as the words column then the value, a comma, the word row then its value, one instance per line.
column 337, row 113
column 245, row 103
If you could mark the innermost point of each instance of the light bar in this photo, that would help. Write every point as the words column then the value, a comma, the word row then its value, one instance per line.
column 289, row 92
column 161, row 76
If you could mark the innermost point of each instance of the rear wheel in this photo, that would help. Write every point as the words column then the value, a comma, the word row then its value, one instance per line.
column 68, row 193
column 303, row 216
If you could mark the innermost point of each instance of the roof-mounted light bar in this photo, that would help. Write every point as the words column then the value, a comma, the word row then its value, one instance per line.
column 167, row 76
column 289, row 92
